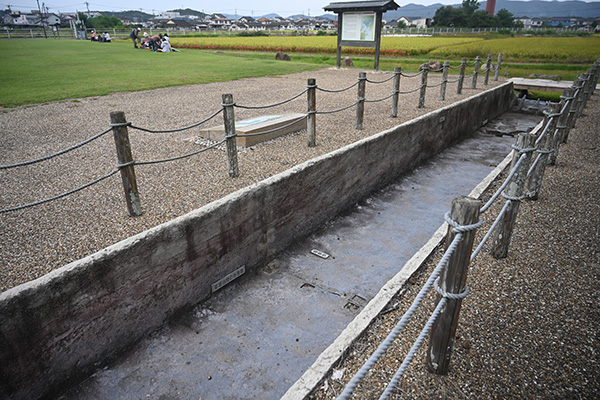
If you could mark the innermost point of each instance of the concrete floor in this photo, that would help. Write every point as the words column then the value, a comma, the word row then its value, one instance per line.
column 255, row 337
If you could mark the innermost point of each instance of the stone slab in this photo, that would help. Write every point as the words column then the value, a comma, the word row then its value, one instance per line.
column 247, row 129
column 542, row 85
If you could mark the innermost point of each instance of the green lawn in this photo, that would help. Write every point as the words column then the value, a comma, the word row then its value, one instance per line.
column 39, row 70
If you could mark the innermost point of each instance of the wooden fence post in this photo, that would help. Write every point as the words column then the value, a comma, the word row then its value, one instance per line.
column 534, row 184
column 230, row 136
column 581, row 97
column 461, row 76
column 423, row 86
column 311, row 123
column 360, row 106
column 514, row 193
column 561, row 125
column 125, row 159
column 397, row 75
column 476, row 72
column 488, row 66
column 572, row 109
column 453, row 279
column 498, row 66
column 444, row 81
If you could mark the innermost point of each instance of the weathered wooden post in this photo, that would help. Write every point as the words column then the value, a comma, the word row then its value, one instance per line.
column 476, row 72
column 230, row 136
column 360, row 106
column 488, row 66
column 452, row 281
column 461, row 76
column 397, row 75
column 125, row 159
column 423, row 85
column 561, row 125
column 573, row 108
column 498, row 67
column 544, row 149
column 581, row 96
column 444, row 81
column 513, row 194
column 586, row 86
column 311, row 123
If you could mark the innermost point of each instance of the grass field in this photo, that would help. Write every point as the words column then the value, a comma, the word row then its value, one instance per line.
column 38, row 70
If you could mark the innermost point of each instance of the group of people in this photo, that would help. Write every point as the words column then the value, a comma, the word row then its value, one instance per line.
column 103, row 38
column 159, row 43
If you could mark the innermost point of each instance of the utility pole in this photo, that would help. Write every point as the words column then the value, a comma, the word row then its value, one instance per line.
column 88, row 8
column 42, row 19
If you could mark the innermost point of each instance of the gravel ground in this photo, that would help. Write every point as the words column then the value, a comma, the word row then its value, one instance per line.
column 529, row 327
column 37, row 240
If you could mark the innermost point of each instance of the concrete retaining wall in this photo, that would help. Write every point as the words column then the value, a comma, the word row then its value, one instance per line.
column 63, row 325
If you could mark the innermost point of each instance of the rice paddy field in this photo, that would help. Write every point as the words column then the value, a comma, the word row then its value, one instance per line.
column 553, row 49
column 392, row 46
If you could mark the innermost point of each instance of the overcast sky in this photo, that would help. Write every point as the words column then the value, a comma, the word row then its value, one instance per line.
column 241, row 7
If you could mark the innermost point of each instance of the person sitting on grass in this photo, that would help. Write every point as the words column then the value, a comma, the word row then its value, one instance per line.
column 150, row 44
column 165, row 47
column 106, row 37
column 94, row 37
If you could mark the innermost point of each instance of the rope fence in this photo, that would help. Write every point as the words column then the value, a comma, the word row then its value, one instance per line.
column 126, row 164
column 449, row 276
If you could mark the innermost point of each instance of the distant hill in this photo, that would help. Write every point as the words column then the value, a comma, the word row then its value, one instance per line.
column 132, row 15
column 189, row 11
column 535, row 8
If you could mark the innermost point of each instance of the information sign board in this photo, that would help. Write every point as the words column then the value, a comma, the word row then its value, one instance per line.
column 357, row 26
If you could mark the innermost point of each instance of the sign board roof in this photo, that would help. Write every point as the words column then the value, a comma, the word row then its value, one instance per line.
column 378, row 5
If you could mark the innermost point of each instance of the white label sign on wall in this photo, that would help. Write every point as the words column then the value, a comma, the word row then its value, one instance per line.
column 358, row 26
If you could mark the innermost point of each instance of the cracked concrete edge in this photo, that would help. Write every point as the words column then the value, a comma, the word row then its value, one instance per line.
column 326, row 361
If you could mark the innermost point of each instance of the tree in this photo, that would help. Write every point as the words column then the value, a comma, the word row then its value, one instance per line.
column 401, row 24
column 481, row 19
column 82, row 17
column 505, row 19
column 104, row 22
column 449, row 16
column 470, row 6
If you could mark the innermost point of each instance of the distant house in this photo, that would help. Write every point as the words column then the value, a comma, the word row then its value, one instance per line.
column 220, row 23
column 246, row 20
column 416, row 22
column 31, row 19
column 179, row 24
column 530, row 23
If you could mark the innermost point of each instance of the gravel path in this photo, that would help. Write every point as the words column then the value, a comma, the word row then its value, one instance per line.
column 530, row 326
column 37, row 240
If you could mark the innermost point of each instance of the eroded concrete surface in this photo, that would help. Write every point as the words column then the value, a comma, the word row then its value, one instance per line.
column 255, row 337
